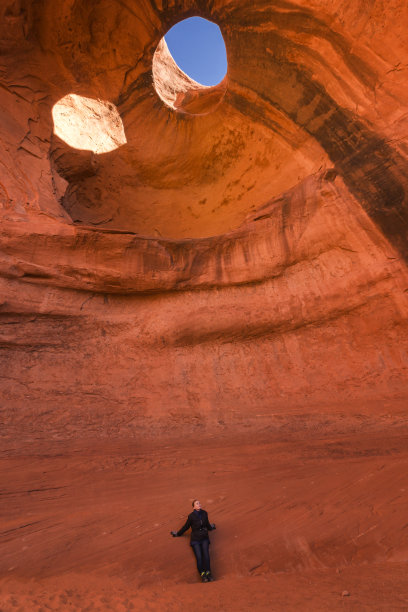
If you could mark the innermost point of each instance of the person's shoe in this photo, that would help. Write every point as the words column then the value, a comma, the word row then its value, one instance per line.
column 209, row 576
column 204, row 577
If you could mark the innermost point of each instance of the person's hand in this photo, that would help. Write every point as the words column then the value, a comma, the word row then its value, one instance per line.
column 174, row 534
column 213, row 526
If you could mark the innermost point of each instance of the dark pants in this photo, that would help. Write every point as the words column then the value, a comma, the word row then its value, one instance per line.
column 202, row 555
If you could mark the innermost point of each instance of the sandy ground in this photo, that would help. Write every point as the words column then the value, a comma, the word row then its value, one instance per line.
column 304, row 522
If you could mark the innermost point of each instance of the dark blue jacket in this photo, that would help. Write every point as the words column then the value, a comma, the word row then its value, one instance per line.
column 198, row 521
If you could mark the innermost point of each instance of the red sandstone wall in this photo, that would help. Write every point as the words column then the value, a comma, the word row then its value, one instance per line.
column 214, row 268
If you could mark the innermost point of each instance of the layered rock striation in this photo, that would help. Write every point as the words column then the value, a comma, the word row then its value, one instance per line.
column 241, row 258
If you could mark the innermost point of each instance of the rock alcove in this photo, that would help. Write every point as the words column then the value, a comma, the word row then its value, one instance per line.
column 195, row 137
column 296, row 181
column 236, row 268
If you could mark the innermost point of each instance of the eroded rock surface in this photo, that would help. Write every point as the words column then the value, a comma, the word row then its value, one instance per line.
column 261, row 243
column 238, row 264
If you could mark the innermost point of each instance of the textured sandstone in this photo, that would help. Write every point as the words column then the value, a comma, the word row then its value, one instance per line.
column 226, row 237
column 239, row 264
column 87, row 124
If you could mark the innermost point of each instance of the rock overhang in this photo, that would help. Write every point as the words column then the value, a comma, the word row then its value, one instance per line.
column 285, row 206
column 299, row 95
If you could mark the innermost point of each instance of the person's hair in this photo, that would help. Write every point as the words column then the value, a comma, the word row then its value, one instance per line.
column 194, row 501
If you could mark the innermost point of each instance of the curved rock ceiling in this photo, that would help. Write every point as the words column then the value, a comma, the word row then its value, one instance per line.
column 255, row 231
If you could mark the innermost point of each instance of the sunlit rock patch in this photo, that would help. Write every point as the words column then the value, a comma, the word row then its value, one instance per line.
column 88, row 124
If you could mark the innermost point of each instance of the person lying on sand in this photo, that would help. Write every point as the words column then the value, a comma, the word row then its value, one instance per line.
column 199, row 541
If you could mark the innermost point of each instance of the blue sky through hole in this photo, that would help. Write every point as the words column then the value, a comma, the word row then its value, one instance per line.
column 198, row 48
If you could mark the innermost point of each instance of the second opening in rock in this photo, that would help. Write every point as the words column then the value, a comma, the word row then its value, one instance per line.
column 88, row 124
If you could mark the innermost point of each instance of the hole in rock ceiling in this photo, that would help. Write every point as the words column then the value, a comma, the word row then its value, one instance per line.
column 88, row 124
column 190, row 66
column 198, row 48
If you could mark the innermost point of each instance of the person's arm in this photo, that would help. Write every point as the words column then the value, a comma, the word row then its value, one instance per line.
column 184, row 528
column 210, row 526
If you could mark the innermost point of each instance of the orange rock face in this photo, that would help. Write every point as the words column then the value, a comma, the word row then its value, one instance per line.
column 239, row 262
column 224, row 261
